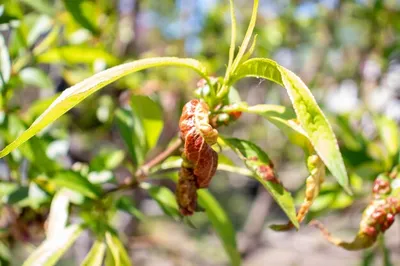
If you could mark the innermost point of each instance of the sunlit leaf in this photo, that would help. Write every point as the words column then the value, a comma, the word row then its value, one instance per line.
column 83, row 13
column 5, row 252
column 258, row 162
column 5, row 64
column 42, row 6
column 77, row 93
column 132, row 134
column 221, row 223
column 309, row 115
column 76, row 55
column 51, row 250
column 120, row 256
column 151, row 117
column 96, row 254
column 390, row 135
column 76, row 182
column 58, row 216
column 36, row 77
column 247, row 37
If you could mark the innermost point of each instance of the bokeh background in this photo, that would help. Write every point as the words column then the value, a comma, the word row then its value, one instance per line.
column 347, row 51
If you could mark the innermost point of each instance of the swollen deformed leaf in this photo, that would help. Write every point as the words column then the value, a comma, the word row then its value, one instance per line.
column 221, row 223
column 313, row 185
column 51, row 250
column 77, row 93
column 309, row 115
column 258, row 162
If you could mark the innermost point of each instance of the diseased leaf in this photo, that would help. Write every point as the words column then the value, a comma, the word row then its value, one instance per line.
column 151, row 117
column 51, row 250
column 58, row 216
column 96, row 254
column 77, row 93
column 221, row 223
column 310, row 117
column 76, row 182
column 258, row 162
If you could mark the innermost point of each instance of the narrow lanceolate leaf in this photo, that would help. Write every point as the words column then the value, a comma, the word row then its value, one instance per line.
column 247, row 37
column 77, row 93
column 5, row 64
column 58, row 216
column 51, row 250
column 390, row 135
column 76, row 182
column 258, row 162
column 165, row 198
column 117, row 250
column 221, row 223
column 151, row 118
column 309, row 114
column 96, row 254
column 83, row 13
column 233, row 38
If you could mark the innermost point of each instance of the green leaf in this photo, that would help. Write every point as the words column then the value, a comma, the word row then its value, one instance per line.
column 132, row 134
column 165, row 199
column 77, row 93
column 5, row 252
column 58, row 216
column 282, row 117
column 42, row 6
column 76, row 182
column 233, row 39
column 258, row 162
column 36, row 77
column 6, row 188
column 5, row 63
column 83, row 13
column 107, row 160
column 390, row 135
column 96, row 254
column 51, row 250
column 76, row 55
column 247, row 37
column 151, row 117
column 126, row 204
column 120, row 256
column 221, row 223
column 310, row 117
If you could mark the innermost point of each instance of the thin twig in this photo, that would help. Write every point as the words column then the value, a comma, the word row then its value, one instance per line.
column 143, row 171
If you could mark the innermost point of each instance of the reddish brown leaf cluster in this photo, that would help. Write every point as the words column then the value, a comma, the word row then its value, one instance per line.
column 200, row 160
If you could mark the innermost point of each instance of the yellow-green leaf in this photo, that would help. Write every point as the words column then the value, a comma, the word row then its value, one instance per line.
column 309, row 115
column 96, row 254
column 77, row 93
column 51, row 250
column 221, row 223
